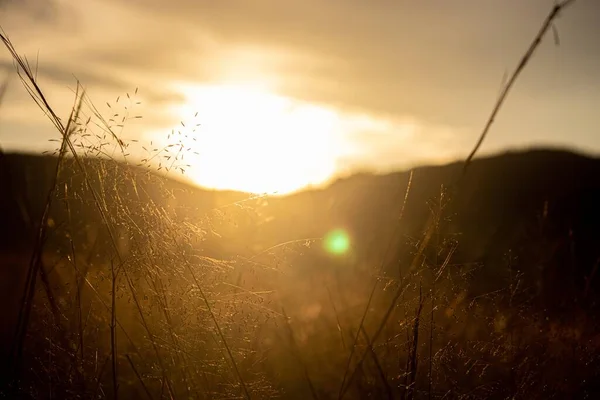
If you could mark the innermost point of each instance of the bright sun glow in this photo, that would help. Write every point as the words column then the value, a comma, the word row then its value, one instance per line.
column 252, row 140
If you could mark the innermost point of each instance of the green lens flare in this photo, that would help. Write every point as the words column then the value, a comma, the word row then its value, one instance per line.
column 337, row 242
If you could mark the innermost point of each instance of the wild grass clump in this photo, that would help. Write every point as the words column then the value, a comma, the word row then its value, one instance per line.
column 127, row 302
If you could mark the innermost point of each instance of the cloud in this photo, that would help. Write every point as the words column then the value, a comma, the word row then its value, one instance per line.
column 436, row 64
column 38, row 10
column 399, row 143
column 434, row 60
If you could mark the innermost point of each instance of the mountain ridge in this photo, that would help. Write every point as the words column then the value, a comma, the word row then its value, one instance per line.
column 499, row 203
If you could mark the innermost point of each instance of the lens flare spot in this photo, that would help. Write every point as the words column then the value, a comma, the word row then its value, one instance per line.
column 337, row 242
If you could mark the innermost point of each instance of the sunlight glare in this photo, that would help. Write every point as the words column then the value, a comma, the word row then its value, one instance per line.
column 253, row 140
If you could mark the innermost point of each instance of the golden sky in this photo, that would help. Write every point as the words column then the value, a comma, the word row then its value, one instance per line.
column 290, row 93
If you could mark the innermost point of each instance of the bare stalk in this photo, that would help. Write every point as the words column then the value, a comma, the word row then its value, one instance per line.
column 554, row 13
column 413, row 357
column 113, row 326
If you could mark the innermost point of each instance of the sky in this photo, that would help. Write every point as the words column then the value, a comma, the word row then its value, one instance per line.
column 270, row 95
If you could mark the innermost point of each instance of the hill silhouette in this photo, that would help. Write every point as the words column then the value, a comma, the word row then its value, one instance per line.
column 539, row 205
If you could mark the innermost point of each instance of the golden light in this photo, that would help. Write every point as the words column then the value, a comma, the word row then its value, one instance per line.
column 253, row 140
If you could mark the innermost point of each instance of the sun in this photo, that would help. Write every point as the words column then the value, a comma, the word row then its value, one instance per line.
column 251, row 139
